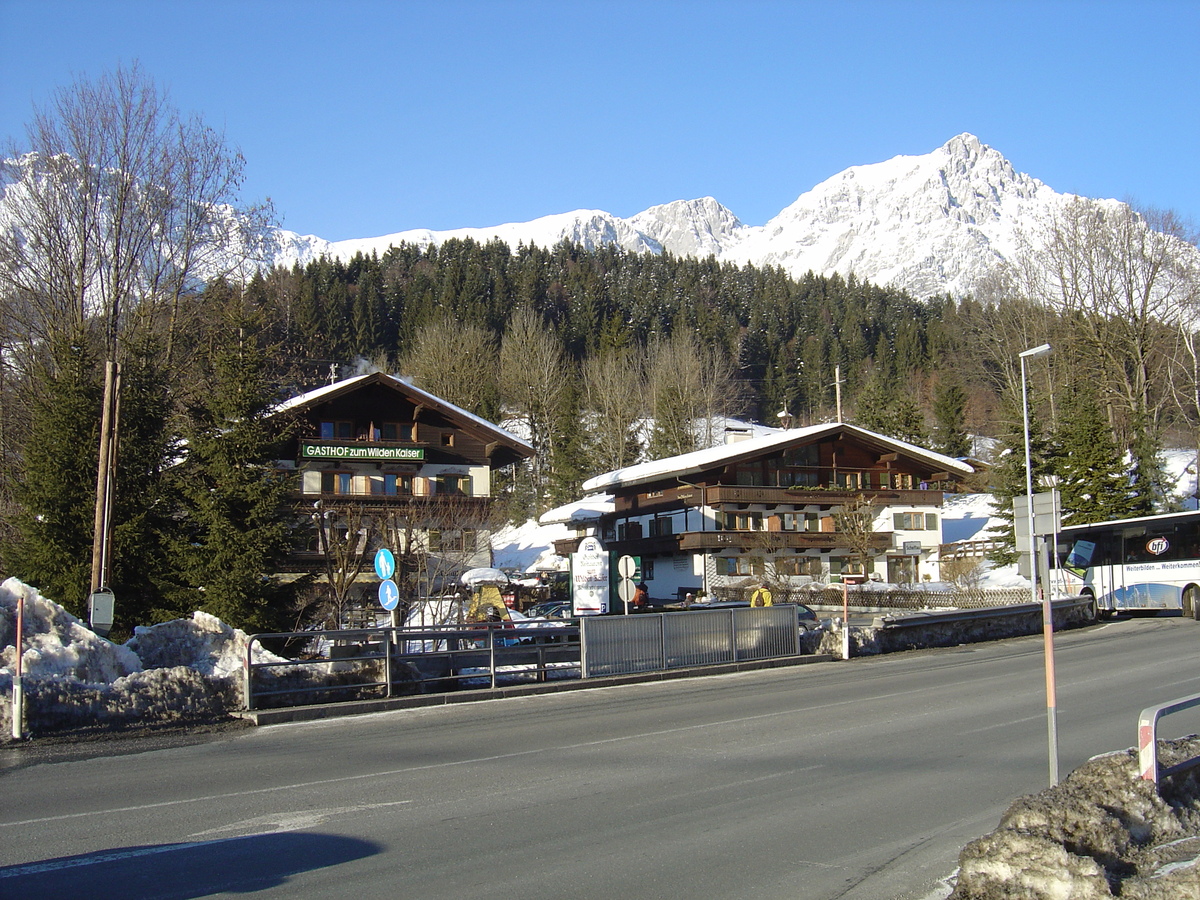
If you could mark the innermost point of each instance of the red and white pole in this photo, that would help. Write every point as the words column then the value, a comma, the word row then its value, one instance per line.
column 18, row 704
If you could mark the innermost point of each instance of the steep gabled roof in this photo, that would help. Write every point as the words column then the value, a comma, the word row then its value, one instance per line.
column 703, row 460
column 466, row 420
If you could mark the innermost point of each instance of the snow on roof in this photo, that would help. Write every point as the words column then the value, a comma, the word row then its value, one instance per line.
column 699, row 460
column 329, row 390
column 589, row 509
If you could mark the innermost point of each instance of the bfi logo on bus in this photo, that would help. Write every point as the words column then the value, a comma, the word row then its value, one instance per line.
column 1157, row 546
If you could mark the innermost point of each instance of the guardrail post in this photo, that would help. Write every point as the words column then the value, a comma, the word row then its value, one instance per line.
column 387, row 661
column 248, row 699
column 1148, row 738
column 1148, row 746
column 492, row 654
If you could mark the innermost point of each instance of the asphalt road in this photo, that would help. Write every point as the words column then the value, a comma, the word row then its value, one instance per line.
column 851, row 780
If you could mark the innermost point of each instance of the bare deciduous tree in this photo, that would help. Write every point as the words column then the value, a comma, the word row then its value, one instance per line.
column 533, row 390
column 691, row 388
column 457, row 362
column 614, row 394
column 116, row 207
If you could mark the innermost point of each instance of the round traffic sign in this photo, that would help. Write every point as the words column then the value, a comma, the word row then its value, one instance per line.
column 385, row 563
column 626, row 566
column 389, row 595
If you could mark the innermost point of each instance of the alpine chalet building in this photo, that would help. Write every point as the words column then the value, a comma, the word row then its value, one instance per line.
column 780, row 509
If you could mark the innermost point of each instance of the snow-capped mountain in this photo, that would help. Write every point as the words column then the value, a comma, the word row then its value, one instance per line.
column 930, row 224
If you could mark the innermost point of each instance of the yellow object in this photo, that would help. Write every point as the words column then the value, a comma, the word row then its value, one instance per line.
column 485, row 600
column 761, row 597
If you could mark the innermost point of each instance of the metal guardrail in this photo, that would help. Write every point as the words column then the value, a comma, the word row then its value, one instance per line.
column 920, row 619
column 647, row 642
column 386, row 661
column 1148, row 739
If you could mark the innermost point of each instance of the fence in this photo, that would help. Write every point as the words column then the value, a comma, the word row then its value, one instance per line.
column 623, row 645
column 385, row 662
column 1148, row 739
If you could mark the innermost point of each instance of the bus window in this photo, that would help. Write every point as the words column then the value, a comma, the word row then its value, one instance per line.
column 1081, row 555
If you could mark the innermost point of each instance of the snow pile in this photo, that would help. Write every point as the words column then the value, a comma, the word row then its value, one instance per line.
column 1101, row 832
column 56, row 643
column 177, row 671
column 203, row 643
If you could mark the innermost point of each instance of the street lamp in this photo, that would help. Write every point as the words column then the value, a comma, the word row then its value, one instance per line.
column 1047, row 609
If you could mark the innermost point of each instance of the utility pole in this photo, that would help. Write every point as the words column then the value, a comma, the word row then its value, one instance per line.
column 105, row 480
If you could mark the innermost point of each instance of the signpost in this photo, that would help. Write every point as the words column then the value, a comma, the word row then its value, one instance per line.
column 627, row 569
column 590, row 578
column 389, row 593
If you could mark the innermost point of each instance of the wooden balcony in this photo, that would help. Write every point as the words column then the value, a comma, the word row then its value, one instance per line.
column 774, row 540
column 726, row 494
column 763, row 541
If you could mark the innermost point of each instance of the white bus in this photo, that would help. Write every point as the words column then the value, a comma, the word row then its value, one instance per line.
column 1149, row 563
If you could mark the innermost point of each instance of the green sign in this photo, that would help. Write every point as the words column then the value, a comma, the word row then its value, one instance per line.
column 365, row 452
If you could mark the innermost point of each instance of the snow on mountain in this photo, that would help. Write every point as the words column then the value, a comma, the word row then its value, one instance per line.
column 933, row 223
column 930, row 224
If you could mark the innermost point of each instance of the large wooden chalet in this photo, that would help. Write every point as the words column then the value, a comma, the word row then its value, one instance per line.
column 768, row 508
column 377, row 447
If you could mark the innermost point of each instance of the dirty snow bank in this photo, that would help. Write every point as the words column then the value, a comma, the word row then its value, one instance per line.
column 1101, row 832
column 182, row 670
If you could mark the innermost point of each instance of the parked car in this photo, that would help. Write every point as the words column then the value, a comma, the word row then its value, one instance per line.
column 550, row 609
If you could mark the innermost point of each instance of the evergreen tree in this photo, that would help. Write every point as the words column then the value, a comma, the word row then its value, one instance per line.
column 237, row 516
column 1008, row 477
column 57, row 493
column 949, row 411
column 1093, row 477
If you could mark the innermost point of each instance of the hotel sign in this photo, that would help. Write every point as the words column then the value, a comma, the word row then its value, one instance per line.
column 363, row 452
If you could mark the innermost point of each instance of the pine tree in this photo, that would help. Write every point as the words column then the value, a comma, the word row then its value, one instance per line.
column 1008, row 478
column 236, row 511
column 949, row 410
column 1093, row 477
column 57, row 493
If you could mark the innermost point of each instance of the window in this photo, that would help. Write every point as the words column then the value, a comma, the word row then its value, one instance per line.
column 743, row 565
column 788, row 565
column 448, row 439
column 749, row 474
column 743, row 521
column 337, row 429
column 660, row 527
column 391, row 484
column 337, row 482
column 798, row 522
column 393, row 431
column 915, row 521
column 450, row 485
column 453, row 540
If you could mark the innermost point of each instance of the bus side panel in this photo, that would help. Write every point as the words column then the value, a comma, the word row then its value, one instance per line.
column 1147, row 595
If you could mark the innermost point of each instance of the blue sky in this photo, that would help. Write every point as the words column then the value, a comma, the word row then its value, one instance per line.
column 364, row 117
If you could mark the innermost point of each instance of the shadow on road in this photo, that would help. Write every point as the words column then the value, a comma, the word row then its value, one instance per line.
column 180, row 871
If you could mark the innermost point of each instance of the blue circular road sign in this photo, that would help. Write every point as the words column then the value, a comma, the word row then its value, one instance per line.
column 385, row 563
column 389, row 595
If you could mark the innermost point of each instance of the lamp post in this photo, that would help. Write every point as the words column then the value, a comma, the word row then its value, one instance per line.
column 1047, row 609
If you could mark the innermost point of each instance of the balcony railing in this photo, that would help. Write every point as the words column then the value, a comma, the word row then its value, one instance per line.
column 776, row 540
column 713, row 541
column 805, row 496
